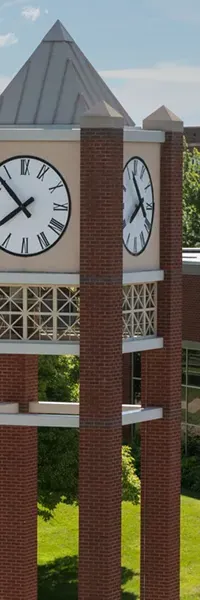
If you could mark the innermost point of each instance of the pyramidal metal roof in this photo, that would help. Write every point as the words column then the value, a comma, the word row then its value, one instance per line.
column 55, row 86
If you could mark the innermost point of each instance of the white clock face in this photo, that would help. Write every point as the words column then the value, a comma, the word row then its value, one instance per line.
column 138, row 206
column 35, row 206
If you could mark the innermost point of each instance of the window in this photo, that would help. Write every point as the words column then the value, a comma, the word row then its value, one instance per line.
column 190, row 407
column 136, row 378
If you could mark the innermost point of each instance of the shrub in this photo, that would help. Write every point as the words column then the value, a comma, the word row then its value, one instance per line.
column 130, row 481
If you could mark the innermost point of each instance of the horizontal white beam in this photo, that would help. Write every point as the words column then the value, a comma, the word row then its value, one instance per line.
column 9, row 408
column 133, row 415
column 143, row 135
column 141, row 415
column 39, row 347
column 73, row 348
column 142, row 344
column 63, row 408
column 27, row 278
column 143, row 277
column 72, row 134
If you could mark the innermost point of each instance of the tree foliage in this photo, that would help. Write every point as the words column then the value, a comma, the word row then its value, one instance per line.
column 58, row 447
column 191, row 198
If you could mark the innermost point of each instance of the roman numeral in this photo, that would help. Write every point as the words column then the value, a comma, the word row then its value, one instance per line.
column 142, row 240
column 42, row 172
column 124, row 188
column 59, row 185
column 24, row 247
column 135, row 166
column 147, row 186
column 25, row 162
column 142, row 172
column 124, row 223
column 6, row 241
column 149, row 206
column 135, row 245
column 128, row 238
column 6, row 170
column 56, row 226
column 60, row 206
column 147, row 225
column 44, row 243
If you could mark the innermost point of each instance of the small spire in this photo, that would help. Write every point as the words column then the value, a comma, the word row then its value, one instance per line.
column 163, row 119
column 102, row 115
column 58, row 33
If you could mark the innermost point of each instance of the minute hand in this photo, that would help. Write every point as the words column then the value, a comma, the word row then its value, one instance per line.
column 15, row 198
column 141, row 200
column 15, row 212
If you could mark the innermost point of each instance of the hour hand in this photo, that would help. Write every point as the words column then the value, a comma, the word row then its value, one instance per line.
column 16, row 211
column 14, row 197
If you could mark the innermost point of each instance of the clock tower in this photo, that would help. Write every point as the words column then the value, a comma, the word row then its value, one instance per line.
column 86, row 212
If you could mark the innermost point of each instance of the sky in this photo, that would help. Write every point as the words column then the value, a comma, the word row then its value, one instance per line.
column 147, row 51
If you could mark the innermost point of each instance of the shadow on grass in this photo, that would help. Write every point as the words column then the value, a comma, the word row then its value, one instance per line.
column 190, row 494
column 58, row 580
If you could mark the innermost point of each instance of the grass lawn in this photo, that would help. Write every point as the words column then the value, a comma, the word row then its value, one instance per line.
column 58, row 549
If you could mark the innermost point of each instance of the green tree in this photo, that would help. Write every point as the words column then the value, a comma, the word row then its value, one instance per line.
column 191, row 198
column 58, row 447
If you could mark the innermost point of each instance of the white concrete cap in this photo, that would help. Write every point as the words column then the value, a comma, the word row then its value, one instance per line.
column 163, row 119
column 101, row 116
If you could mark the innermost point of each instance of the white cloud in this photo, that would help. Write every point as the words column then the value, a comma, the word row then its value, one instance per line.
column 8, row 40
column 31, row 13
column 141, row 91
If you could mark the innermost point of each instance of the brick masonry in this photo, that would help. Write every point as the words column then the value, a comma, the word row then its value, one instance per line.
column 100, row 365
column 161, row 386
column 18, row 483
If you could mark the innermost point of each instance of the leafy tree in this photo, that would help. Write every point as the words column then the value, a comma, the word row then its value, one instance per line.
column 191, row 198
column 58, row 447
column 58, row 378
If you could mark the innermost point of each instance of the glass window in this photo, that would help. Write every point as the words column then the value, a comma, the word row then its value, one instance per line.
column 183, row 405
column 136, row 391
column 137, row 365
column 184, row 367
column 194, row 368
column 193, row 406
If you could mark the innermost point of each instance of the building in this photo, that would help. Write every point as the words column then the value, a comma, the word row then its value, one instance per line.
column 90, row 264
column 190, row 350
column 192, row 135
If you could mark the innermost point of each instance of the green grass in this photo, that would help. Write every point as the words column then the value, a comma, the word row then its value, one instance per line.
column 58, row 550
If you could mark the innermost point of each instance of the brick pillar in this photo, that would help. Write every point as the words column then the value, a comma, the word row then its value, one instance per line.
column 100, row 355
column 18, row 484
column 161, row 386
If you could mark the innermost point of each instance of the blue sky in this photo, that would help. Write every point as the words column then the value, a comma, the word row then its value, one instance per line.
column 148, row 51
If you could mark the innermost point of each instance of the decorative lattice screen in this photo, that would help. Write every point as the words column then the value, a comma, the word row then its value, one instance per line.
column 53, row 313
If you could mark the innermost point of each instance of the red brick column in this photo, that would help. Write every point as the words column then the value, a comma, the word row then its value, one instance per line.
column 161, row 386
column 100, row 357
column 18, row 484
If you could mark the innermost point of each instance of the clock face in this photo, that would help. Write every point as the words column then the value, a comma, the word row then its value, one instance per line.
column 138, row 206
column 35, row 206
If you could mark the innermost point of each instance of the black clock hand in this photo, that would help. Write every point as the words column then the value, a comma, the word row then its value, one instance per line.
column 141, row 200
column 16, row 211
column 15, row 198
column 140, row 205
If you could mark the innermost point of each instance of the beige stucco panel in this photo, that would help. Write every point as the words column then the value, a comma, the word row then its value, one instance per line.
column 64, row 256
column 150, row 258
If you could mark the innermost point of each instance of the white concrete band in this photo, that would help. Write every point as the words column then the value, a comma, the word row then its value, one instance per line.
column 72, row 134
